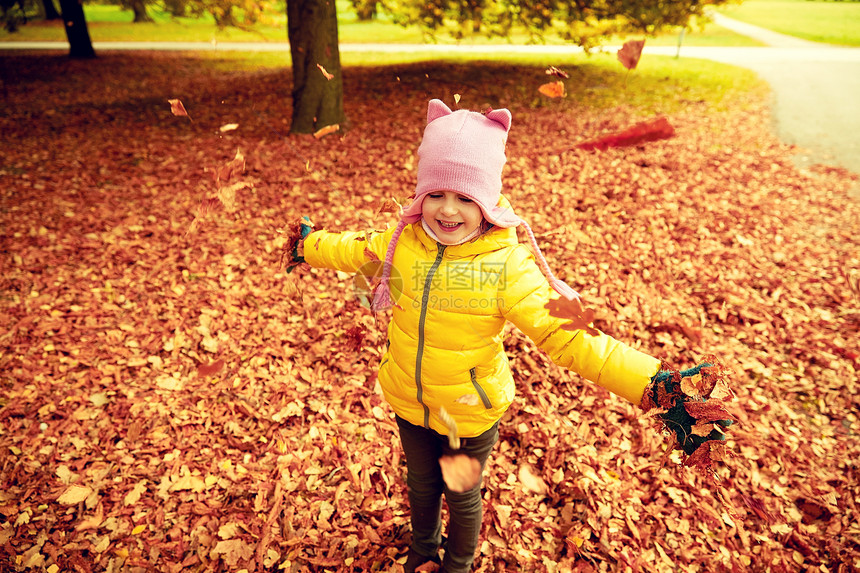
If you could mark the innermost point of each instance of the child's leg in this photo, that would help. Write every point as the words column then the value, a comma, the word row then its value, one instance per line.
column 423, row 447
column 465, row 508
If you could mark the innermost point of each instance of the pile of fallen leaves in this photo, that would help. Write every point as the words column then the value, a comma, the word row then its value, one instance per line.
column 172, row 400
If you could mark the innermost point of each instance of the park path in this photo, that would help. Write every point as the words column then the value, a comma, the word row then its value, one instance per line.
column 814, row 85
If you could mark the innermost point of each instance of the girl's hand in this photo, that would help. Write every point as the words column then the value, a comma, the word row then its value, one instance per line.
column 294, row 249
column 690, row 405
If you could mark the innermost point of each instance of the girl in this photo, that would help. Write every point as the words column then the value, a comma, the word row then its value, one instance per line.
column 453, row 273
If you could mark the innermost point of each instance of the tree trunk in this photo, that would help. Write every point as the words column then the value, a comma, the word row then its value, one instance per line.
column 317, row 101
column 50, row 10
column 139, row 9
column 80, row 45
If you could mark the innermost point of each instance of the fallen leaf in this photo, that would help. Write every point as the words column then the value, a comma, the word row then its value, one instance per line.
column 74, row 494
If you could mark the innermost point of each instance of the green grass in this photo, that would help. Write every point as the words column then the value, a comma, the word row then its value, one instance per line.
column 109, row 23
column 831, row 22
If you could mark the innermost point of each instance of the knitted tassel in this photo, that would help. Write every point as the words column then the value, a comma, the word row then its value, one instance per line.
column 558, row 285
column 382, row 293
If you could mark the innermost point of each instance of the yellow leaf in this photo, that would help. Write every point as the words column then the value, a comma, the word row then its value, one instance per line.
column 74, row 494
column 138, row 529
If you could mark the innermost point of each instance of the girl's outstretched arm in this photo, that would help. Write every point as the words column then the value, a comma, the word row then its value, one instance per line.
column 599, row 358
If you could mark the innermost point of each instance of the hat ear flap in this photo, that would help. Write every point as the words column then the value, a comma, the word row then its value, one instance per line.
column 436, row 109
column 501, row 116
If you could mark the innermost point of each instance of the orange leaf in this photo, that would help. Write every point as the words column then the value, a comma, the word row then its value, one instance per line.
column 630, row 52
column 580, row 318
column 326, row 130
column 327, row 75
column 461, row 473
column 177, row 108
column 552, row 89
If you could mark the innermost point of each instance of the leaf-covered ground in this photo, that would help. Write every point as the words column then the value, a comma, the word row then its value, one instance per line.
column 173, row 401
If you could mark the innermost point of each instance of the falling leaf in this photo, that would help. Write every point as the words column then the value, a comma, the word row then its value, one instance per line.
column 554, row 71
column 326, row 130
column 644, row 131
column 460, row 472
column 457, row 99
column 553, row 89
column 530, row 481
column 176, row 108
column 231, row 168
column 630, row 53
column 327, row 75
column 228, row 127
column 389, row 205
column 451, row 424
column 572, row 310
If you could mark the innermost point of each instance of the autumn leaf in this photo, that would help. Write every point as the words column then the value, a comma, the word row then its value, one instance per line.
column 228, row 127
column 554, row 71
column 552, row 89
column 389, row 205
column 630, row 53
column 325, row 73
column 460, row 472
column 230, row 169
column 210, row 369
column 572, row 310
column 531, row 481
column 644, row 131
column 176, row 108
column 326, row 130
column 74, row 494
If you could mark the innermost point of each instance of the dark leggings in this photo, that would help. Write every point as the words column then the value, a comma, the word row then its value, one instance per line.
column 423, row 448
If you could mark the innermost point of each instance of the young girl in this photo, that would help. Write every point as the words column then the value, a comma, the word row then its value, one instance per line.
column 463, row 273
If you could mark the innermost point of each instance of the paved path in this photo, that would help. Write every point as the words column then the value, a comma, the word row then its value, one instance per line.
column 816, row 86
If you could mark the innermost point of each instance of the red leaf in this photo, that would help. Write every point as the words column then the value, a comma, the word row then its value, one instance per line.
column 650, row 130
column 580, row 318
column 709, row 411
column 630, row 52
column 210, row 369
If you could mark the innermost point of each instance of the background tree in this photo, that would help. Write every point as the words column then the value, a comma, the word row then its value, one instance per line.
column 317, row 80
column 80, row 45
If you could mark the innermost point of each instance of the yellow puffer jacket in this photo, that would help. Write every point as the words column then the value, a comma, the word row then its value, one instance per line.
column 445, row 339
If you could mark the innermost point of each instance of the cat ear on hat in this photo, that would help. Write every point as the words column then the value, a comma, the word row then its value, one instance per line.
column 436, row 109
column 501, row 116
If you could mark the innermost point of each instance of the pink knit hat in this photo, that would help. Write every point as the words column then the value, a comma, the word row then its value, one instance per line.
column 463, row 151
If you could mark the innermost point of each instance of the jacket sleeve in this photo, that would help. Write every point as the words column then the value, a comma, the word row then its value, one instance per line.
column 346, row 251
column 601, row 359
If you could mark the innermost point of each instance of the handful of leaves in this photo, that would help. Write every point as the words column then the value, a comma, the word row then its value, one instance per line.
column 691, row 405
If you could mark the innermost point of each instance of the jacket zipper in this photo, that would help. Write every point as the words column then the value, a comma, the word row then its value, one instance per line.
column 484, row 398
column 425, row 299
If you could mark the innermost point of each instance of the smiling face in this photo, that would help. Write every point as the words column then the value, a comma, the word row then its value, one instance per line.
column 451, row 216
